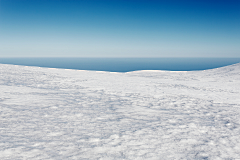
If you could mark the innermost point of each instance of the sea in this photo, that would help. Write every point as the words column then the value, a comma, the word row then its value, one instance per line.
column 124, row 64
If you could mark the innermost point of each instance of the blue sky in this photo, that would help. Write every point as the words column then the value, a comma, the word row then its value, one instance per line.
column 119, row 28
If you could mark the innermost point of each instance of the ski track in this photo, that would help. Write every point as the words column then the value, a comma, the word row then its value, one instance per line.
column 48, row 113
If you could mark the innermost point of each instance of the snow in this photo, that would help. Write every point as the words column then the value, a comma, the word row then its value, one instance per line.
column 50, row 113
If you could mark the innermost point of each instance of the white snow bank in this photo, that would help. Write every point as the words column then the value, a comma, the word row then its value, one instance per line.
column 70, row 114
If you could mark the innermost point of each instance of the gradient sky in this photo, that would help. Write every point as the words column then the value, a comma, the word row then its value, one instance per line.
column 119, row 28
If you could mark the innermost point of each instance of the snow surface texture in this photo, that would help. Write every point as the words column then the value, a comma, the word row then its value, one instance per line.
column 71, row 114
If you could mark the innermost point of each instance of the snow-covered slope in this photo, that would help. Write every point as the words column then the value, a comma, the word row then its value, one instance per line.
column 70, row 114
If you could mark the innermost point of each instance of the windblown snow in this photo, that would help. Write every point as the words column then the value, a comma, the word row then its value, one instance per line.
column 48, row 113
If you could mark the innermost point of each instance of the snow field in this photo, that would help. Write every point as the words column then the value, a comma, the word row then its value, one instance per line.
column 69, row 114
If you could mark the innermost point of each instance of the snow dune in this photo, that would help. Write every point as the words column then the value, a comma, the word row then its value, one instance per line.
column 70, row 114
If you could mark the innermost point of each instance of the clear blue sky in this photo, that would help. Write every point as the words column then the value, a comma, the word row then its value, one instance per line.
column 119, row 28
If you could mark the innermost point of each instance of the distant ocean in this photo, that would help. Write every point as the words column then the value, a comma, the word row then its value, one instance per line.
column 124, row 64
